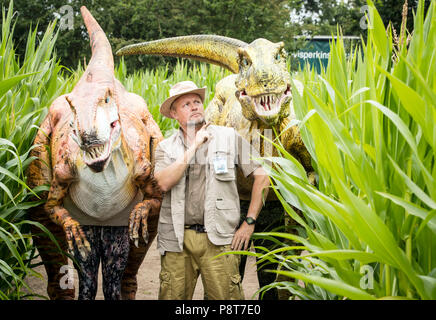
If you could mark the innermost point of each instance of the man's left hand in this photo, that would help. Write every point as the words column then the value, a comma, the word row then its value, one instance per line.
column 241, row 239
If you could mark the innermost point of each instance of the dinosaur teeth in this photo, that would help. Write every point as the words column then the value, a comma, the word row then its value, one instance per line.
column 268, row 104
column 96, row 152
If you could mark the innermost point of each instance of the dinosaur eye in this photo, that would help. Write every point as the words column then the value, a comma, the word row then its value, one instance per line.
column 278, row 56
column 107, row 100
column 245, row 62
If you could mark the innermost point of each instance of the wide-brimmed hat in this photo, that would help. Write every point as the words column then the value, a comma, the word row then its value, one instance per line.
column 177, row 90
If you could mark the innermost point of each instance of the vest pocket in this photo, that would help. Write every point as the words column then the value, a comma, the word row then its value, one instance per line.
column 227, row 216
column 230, row 163
column 228, row 176
column 225, row 204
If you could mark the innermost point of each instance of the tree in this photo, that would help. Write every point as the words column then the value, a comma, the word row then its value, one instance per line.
column 129, row 21
column 323, row 16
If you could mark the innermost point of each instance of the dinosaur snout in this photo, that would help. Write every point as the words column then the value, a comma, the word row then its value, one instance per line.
column 90, row 139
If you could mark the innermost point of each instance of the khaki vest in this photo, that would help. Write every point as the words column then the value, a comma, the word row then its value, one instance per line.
column 221, row 208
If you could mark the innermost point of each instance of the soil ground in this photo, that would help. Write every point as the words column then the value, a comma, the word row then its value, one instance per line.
column 148, row 279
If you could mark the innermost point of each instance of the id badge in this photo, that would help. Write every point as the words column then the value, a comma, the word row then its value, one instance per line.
column 220, row 164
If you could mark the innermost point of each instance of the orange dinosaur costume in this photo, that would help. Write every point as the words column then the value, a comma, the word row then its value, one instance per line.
column 84, row 129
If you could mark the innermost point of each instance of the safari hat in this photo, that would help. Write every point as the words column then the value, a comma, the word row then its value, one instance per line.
column 177, row 90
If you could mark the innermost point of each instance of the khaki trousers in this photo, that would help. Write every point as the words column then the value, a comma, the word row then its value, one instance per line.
column 180, row 270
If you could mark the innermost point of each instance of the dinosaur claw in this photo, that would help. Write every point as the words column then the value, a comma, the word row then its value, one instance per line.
column 146, row 237
column 136, row 242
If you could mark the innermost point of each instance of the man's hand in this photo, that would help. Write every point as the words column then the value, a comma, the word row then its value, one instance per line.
column 241, row 239
column 202, row 135
column 139, row 216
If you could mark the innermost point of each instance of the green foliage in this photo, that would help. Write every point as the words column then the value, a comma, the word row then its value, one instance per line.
column 368, row 123
column 26, row 89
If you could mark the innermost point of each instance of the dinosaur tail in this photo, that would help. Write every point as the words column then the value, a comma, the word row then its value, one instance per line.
column 101, row 65
column 219, row 50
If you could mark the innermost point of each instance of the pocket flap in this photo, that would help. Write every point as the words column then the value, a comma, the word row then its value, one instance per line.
column 225, row 204
column 228, row 176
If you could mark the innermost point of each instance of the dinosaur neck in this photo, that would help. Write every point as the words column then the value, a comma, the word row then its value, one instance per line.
column 219, row 50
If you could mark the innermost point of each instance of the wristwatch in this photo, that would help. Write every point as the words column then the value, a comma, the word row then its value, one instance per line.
column 250, row 220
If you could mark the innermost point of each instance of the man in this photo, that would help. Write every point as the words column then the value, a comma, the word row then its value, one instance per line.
column 195, row 167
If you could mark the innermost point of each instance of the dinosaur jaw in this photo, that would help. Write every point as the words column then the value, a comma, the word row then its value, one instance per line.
column 267, row 106
column 97, row 157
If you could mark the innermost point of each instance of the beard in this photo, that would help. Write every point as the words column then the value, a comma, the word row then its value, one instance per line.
column 197, row 122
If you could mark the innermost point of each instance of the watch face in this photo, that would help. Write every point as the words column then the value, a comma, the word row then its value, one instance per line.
column 250, row 220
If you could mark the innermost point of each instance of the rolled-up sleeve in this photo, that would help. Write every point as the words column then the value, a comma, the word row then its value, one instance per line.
column 161, row 159
column 245, row 155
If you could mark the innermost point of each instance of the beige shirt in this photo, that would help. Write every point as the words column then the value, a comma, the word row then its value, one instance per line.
column 196, row 176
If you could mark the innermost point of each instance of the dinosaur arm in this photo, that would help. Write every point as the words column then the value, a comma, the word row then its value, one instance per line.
column 59, row 215
column 150, row 206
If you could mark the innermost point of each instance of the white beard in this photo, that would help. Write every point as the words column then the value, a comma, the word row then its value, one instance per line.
column 193, row 123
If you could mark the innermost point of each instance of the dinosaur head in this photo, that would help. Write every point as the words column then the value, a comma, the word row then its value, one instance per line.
column 96, row 125
column 96, row 122
column 263, row 82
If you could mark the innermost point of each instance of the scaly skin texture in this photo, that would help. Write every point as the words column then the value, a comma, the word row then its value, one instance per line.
column 256, row 101
column 82, row 130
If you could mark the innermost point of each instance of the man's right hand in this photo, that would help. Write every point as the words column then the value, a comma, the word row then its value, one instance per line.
column 202, row 135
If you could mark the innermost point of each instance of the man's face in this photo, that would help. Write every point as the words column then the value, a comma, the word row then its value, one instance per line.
column 188, row 110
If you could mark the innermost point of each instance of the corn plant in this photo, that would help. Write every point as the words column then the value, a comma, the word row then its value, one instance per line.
column 368, row 231
column 27, row 87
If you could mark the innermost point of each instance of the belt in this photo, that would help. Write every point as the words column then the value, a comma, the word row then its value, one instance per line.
column 197, row 227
